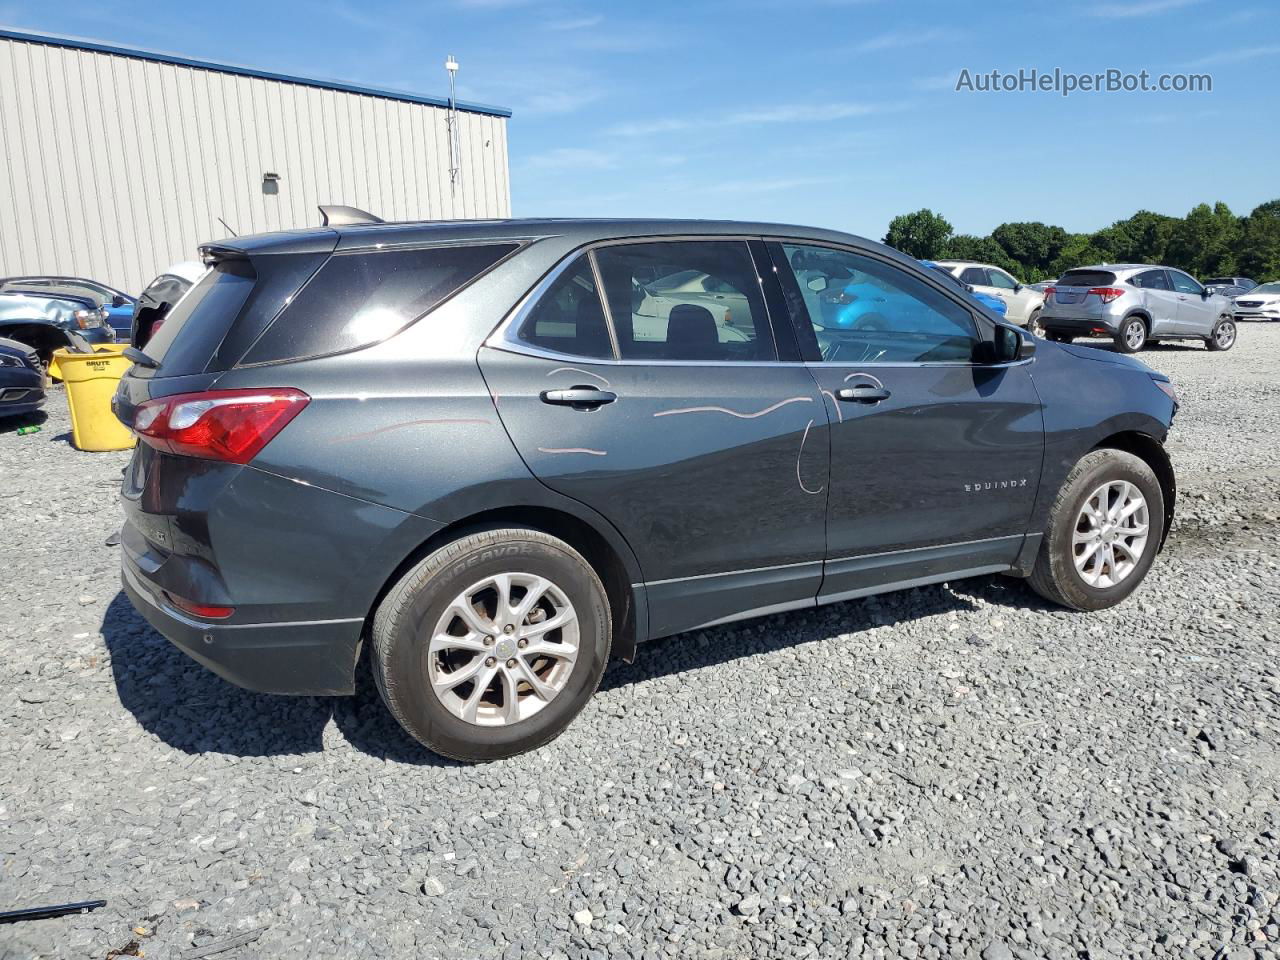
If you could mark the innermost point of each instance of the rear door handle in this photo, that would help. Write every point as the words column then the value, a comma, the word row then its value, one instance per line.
column 580, row 398
column 864, row 393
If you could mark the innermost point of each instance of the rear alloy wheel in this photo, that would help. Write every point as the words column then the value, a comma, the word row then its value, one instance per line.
column 491, row 645
column 1132, row 336
column 1223, row 336
column 1104, row 529
column 1034, row 326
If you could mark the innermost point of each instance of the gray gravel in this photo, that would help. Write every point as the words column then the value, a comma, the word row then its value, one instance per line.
column 952, row 771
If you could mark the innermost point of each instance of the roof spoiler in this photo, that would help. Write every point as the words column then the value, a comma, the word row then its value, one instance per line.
column 338, row 214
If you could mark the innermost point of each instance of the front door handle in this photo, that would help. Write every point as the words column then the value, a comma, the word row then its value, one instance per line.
column 863, row 393
column 580, row 398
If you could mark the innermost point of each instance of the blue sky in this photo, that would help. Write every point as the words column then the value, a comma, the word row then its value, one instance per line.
column 836, row 113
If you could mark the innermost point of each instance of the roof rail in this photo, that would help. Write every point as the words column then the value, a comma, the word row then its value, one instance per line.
column 338, row 214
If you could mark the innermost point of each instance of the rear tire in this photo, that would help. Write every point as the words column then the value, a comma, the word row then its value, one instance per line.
column 1132, row 336
column 1034, row 326
column 1087, row 557
column 1223, row 336
column 516, row 684
column 1060, row 337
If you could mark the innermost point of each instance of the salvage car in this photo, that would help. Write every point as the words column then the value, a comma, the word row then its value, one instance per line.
column 1136, row 304
column 116, row 307
column 159, row 297
column 22, row 379
column 1230, row 286
column 47, row 322
column 1260, row 303
column 445, row 441
column 994, row 304
column 1024, row 302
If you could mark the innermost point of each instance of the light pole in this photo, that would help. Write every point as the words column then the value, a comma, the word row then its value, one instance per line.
column 455, row 155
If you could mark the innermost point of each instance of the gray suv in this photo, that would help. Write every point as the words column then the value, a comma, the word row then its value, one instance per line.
column 489, row 455
column 1136, row 304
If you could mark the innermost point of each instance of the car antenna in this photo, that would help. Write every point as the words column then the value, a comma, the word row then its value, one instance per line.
column 228, row 226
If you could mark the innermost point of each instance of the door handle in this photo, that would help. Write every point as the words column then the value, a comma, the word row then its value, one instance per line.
column 580, row 398
column 863, row 393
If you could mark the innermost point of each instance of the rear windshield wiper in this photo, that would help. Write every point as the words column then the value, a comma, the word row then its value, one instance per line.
column 140, row 358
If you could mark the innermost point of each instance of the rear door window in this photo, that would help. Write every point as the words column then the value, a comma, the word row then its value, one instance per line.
column 975, row 276
column 359, row 299
column 569, row 317
column 1151, row 280
column 694, row 300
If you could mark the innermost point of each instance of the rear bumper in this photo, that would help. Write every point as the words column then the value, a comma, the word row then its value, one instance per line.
column 306, row 658
column 1079, row 326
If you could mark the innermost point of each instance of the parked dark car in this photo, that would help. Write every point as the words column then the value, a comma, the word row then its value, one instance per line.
column 22, row 380
column 159, row 297
column 48, row 322
column 460, row 442
column 116, row 307
column 1230, row 286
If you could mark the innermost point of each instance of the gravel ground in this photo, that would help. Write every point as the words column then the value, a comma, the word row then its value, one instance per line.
column 952, row 771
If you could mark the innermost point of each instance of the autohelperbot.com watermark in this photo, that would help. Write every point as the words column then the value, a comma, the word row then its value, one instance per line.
column 1065, row 83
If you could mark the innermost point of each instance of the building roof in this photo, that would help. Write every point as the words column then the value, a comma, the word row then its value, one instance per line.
column 98, row 46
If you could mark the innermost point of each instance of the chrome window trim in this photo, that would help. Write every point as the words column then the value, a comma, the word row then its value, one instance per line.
column 505, row 335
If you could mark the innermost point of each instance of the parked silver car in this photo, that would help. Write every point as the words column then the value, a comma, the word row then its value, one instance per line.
column 1260, row 303
column 1136, row 304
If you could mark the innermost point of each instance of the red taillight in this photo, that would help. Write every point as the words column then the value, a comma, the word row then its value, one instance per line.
column 1049, row 292
column 1107, row 294
column 207, row 610
column 229, row 425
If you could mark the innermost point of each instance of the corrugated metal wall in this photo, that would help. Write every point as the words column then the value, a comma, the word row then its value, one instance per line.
column 113, row 167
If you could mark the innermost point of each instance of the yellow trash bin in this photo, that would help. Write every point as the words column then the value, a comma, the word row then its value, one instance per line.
column 55, row 369
column 91, row 380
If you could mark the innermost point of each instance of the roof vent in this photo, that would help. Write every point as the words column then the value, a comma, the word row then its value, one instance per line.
column 338, row 215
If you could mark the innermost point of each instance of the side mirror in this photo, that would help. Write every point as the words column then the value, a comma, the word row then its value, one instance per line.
column 1206, row 293
column 1017, row 288
column 1008, row 344
column 119, row 300
column 817, row 284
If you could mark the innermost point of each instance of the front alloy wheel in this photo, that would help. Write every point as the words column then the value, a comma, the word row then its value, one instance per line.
column 1111, row 534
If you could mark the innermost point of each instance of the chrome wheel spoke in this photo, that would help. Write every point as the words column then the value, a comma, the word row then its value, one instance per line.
column 454, row 678
column 463, row 609
column 510, row 698
column 543, row 691
column 446, row 641
column 560, row 651
column 1111, row 534
column 483, row 681
column 534, row 592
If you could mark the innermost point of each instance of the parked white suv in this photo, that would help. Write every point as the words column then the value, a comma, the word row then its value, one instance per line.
column 1024, row 302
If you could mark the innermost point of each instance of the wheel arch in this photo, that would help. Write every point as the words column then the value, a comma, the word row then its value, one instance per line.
column 626, row 604
column 1151, row 451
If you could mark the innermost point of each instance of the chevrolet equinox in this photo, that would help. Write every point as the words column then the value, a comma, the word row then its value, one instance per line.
column 501, row 452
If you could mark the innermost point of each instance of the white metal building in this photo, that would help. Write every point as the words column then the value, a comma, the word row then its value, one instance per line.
column 115, row 162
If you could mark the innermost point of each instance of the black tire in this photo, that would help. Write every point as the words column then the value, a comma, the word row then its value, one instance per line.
column 1034, row 326
column 1223, row 336
column 1060, row 337
column 1132, row 335
column 421, row 597
column 1054, row 576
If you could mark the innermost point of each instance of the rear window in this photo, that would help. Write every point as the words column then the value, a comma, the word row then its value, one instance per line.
column 359, row 299
column 206, row 313
column 1087, row 278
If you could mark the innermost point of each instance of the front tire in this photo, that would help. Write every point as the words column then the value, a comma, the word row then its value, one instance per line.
column 1104, row 530
column 1132, row 336
column 1223, row 336
column 492, row 644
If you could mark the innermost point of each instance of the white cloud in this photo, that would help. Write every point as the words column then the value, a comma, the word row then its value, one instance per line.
column 897, row 39
column 781, row 113
column 571, row 158
column 576, row 23
column 1140, row 8
column 767, row 184
column 1239, row 55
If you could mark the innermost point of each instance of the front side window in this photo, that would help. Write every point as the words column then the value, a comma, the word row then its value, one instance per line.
column 569, row 318
column 1002, row 280
column 697, row 300
column 863, row 310
column 1184, row 284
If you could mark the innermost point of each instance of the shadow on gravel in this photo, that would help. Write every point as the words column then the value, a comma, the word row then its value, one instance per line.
column 13, row 424
column 196, row 711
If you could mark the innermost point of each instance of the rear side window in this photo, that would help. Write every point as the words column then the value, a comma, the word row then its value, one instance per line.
column 359, row 299
column 696, row 300
column 206, row 314
column 974, row 275
column 569, row 318
column 1151, row 280
column 1087, row 278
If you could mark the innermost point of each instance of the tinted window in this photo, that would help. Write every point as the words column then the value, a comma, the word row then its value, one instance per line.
column 864, row 311
column 1151, row 280
column 1002, row 280
column 1184, row 284
column 974, row 275
column 686, row 300
column 358, row 299
column 196, row 325
column 569, row 318
column 1087, row 278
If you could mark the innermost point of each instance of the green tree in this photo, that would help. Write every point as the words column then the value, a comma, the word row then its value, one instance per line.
column 1206, row 242
column 922, row 234
column 1143, row 238
column 1033, row 245
column 1078, row 251
column 1260, row 243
